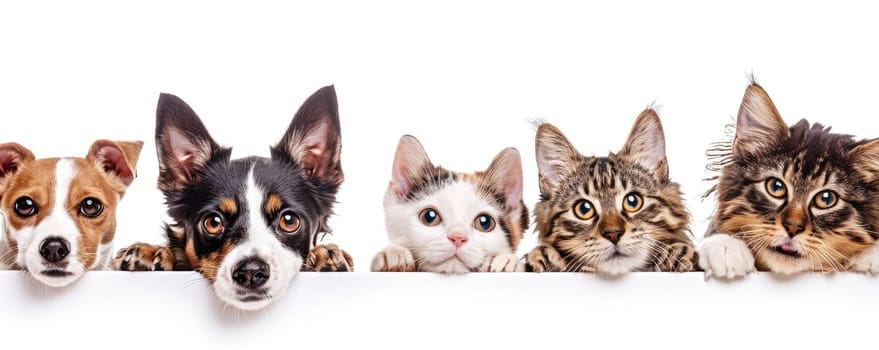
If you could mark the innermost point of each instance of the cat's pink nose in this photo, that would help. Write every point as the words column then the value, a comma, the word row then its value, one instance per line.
column 458, row 239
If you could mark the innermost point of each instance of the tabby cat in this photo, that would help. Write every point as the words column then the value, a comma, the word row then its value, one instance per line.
column 450, row 222
column 610, row 215
column 791, row 199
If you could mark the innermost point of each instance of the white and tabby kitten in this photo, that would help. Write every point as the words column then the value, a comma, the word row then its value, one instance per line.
column 450, row 222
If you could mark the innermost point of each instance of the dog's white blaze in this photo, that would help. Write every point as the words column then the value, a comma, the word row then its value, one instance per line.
column 260, row 242
column 458, row 205
column 57, row 223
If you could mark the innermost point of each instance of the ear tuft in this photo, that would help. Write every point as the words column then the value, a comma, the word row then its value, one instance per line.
column 314, row 137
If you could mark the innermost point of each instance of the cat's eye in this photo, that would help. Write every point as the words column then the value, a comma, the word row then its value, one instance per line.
column 25, row 207
column 213, row 224
column 776, row 188
column 633, row 203
column 289, row 222
column 91, row 207
column 825, row 199
column 484, row 223
column 429, row 217
column 584, row 210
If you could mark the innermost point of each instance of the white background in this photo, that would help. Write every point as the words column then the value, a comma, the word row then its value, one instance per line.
column 463, row 77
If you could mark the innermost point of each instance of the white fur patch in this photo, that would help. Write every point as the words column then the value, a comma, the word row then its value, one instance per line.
column 868, row 261
column 724, row 256
column 260, row 243
column 458, row 205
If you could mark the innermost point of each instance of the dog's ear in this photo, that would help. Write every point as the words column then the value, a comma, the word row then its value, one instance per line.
column 314, row 138
column 11, row 156
column 116, row 158
column 183, row 144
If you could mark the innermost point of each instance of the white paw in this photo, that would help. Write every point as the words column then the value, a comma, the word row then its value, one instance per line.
column 394, row 258
column 506, row 263
column 723, row 256
column 868, row 261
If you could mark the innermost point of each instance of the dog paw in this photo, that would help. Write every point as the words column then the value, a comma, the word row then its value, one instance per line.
column 144, row 257
column 723, row 256
column 393, row 258
column 544, row 258
column 677, row 257
column 328, row 258
column 506, row 263
column 867, row 261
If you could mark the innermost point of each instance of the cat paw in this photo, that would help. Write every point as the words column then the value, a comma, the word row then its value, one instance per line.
column 144, row 257
column 867, row 262
column 328, row 258
column 506, row 263
column 677, row 257
column 394, row 258
column 544, row 258
column 723, row 256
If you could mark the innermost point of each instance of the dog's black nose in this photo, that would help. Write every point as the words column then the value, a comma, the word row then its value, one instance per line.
column 54, row 249
column 251, row 273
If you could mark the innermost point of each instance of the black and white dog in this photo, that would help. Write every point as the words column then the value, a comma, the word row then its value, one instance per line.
column 247, row 225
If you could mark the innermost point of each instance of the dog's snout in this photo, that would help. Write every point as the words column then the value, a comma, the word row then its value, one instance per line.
column 251, row 273
column 54, row 249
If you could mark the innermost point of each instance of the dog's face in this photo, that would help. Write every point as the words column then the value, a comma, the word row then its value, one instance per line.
column 61, row 212
column 247, row 224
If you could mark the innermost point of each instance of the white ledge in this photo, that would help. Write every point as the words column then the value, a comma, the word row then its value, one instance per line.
column 421, row 310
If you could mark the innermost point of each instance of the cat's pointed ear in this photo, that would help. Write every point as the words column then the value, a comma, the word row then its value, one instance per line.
column 117, row 158
column 865, row 158
column 314, row 138
column 505, row 175
column 646, row 144
column 183, row 144
column 410, row 164
column 554, row 154
column 759, row 125
column 11, row 156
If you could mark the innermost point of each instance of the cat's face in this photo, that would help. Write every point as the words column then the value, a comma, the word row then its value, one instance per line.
column 800, row 197
column 454, row 222
column 608, row 214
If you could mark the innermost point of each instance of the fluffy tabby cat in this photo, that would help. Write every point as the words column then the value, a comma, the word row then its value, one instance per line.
column 791, row 199
column 610, row 215
column 450, row 222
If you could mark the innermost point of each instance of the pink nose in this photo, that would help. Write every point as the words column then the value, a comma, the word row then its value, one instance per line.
column 458, row 239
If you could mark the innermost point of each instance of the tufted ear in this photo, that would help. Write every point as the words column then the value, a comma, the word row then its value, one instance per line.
column 646, row 144
column 11, row 156
column 117, row 158
column 183, row 144
column 505, row 175
column 410, row 163
column 314, row 137
column 759, row 125
column 554, row 155
column 865, row 157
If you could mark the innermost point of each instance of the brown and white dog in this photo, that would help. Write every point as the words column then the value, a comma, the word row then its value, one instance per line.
column 60, row 213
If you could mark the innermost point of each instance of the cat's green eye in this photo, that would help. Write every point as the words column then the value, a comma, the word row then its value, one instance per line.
column 484, row 223
column 584, row 210
column 633, row 203
column 825, row 199
column 429, row 217
column 776, row 188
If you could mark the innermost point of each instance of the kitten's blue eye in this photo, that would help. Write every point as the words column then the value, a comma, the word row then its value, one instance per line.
column 429, row 217
column 584, row 210
column 633, row 203
column 484, row 223
column 825, row 199
column 776, row 188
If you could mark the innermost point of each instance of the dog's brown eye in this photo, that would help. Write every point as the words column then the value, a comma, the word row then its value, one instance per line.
column 584, row 210
column 91, row 207
column 825, row 199
column 213, row 224
column 25, row 207
column 776, row 188
column 289, row 222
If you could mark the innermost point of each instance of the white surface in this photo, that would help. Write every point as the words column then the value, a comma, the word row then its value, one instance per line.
column 465, row 78
column 420, row 310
